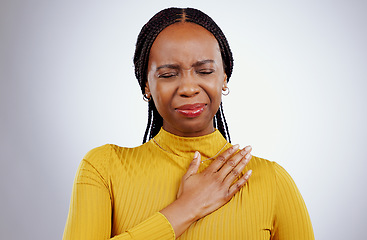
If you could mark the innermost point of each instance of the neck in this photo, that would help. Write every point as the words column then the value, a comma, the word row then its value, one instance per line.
column 189, row 132
column 178, row 147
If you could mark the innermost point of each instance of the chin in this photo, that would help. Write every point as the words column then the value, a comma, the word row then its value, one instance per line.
column 194, row 127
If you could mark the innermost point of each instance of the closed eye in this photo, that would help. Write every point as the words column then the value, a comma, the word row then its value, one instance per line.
column 167, row 75
column 206, row 71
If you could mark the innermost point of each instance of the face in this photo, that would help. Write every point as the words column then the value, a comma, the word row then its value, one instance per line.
column 186, row 78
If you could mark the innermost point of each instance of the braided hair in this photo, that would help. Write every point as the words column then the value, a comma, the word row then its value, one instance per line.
column 145, row 40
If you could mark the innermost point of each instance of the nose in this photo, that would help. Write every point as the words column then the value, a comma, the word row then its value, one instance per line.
column 188, row 86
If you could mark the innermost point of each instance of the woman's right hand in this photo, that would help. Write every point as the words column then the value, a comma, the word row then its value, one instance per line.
column 212, row 188
column 202, row 193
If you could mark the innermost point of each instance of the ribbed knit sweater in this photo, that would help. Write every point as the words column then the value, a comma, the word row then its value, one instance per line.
column 118, row 193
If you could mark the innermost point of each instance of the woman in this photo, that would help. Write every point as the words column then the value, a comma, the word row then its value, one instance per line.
column 187, row 181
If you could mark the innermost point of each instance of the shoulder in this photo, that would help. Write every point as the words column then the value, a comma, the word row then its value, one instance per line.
column 261, row 163
column 268, row 172
column 110, row 154
column 263, row 173
column 271, row 174
column 262, row 166
column 99, row 153
column 266, row 167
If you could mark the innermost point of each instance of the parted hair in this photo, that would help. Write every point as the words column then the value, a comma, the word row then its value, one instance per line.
column 145, row 40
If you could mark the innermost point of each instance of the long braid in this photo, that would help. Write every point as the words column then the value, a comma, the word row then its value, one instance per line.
column 215, row 121
column 157, row 121
column 149, row 123
column 220, row 126
column 145, row 40
column 221, row 123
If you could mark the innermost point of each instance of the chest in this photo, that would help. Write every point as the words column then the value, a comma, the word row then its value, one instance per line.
column 139, row 193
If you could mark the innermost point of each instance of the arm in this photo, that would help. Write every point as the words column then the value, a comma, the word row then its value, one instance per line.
column 91, row 207
column 291, row 216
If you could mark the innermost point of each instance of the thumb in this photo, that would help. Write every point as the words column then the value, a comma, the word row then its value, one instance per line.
column 194, row 165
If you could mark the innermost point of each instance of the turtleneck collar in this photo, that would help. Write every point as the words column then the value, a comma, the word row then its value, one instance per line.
column 185, row 147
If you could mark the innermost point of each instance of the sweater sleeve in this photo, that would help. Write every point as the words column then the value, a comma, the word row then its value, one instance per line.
column 91, row 205
column 291, row 219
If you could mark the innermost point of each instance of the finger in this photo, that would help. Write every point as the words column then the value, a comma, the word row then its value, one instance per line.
column 239, row 184
column 235, row 172
column 221, row 159
column 233, row 161
column 194, row 165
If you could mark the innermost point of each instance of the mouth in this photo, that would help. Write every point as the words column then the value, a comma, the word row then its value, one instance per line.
column 191, row 110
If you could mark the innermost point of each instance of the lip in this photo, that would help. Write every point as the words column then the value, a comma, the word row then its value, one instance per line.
column 191, row 110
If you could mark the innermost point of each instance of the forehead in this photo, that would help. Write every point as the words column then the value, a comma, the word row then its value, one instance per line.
column 184, row 43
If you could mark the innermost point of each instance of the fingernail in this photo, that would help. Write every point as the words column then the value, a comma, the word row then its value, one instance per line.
column 248, row 148
column 249, row 173
column 196, row 155
column 235, row 147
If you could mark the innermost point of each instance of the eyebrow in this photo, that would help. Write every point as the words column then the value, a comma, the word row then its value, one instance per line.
column 196, row 64
column 202, row 62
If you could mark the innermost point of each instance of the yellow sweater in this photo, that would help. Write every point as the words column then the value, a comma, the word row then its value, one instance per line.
column 118, row 193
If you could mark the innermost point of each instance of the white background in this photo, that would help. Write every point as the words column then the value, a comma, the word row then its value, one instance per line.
column 298, row 96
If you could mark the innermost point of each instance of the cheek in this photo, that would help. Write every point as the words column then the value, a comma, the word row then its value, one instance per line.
column 154, row 88
column 215, row 90
column 162, row 95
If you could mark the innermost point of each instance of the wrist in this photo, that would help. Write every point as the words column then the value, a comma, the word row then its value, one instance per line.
column 188, row 209
column 180, row 214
